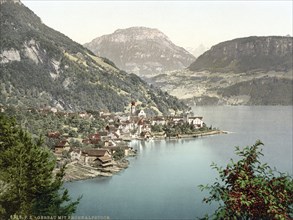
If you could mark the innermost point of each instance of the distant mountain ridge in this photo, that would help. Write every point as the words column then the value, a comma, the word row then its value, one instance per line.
column 43, row 67
column 247, row 54
column 141, row 50
column 197, row 51
column 245, row 71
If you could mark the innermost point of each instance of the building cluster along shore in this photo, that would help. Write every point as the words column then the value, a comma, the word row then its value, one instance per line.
column 104, row 152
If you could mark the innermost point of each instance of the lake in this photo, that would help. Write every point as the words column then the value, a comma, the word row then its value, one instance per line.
column 162, row 180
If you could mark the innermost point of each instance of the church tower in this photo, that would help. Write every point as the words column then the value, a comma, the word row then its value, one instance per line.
column 132, row 108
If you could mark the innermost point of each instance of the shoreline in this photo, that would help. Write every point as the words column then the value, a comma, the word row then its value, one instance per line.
column 76, row 171
column 195, row 135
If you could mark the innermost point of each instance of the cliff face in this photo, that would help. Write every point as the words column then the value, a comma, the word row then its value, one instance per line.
column 247, row 54
column 140, row 50
column 43, row 67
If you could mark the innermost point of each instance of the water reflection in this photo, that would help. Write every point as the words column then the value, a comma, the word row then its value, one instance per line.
column 162, row 179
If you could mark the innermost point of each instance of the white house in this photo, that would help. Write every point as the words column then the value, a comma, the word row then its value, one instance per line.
column 124, row 118
column 158, row 121
column 141, row 114
column 196, row 121
column 125, row 127
column 177, row 119
column 75, row 154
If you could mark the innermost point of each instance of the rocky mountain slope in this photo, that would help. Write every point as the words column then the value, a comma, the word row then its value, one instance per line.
column 247, row 54
column 246, row 71
column 42, row 67
column 140, row 50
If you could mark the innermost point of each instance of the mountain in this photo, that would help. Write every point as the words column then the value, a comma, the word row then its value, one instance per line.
column 246, row 71
column 247, row 54
column 42, row 67
column 140, row 50
column 197, row 51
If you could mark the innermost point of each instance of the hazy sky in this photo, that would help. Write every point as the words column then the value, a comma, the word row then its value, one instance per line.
column 186, row 23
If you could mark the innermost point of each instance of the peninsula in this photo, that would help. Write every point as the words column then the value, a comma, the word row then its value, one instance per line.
column 92, row 143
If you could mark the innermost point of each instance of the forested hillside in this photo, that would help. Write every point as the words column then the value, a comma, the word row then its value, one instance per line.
column 42, row 67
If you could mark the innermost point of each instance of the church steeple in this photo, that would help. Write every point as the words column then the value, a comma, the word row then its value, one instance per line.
column 132, row 108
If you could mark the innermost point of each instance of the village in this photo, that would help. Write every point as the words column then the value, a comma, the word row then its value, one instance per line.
column 107, row 149
column 104, row 152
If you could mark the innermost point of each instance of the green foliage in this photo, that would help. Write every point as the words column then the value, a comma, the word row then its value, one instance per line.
column 72, row 133
column 19, row 24
column 251, row 190
column 38, row 123
column 119, row 154
column 157, row 128
column 172, row 130
column 262, row 91
column 28, row 186
column 75, row 143
column 82, row 83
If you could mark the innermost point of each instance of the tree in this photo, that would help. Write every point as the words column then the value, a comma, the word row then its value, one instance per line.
column 28, row 186
column 157, row 128
column 251, row 190
column 119, row 154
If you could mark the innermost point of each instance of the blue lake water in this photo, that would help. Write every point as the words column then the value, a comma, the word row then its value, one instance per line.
column 162, row 181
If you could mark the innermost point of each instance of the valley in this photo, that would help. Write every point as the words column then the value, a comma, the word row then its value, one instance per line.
column 205, row 88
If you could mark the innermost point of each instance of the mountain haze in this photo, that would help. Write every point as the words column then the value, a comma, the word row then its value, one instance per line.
column 245, row 71
column 247, row 54
column 140, row 50
column 197, row 51
column 42, row 67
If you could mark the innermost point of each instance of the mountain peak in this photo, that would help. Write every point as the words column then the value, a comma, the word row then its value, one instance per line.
column 141, row 50
column 41, row 67
column 135, row 34
column 137, row 29
column 11, row 1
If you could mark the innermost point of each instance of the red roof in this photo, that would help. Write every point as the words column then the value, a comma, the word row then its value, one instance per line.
column 94, row 136
column 61, row 143
column 53, row 134
column 86, row 141
column 194, row 117
column 140, row 122
column 95, row 152
column 105, row 159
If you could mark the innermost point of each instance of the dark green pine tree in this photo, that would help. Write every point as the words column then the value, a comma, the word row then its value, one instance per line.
column 28, row 186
